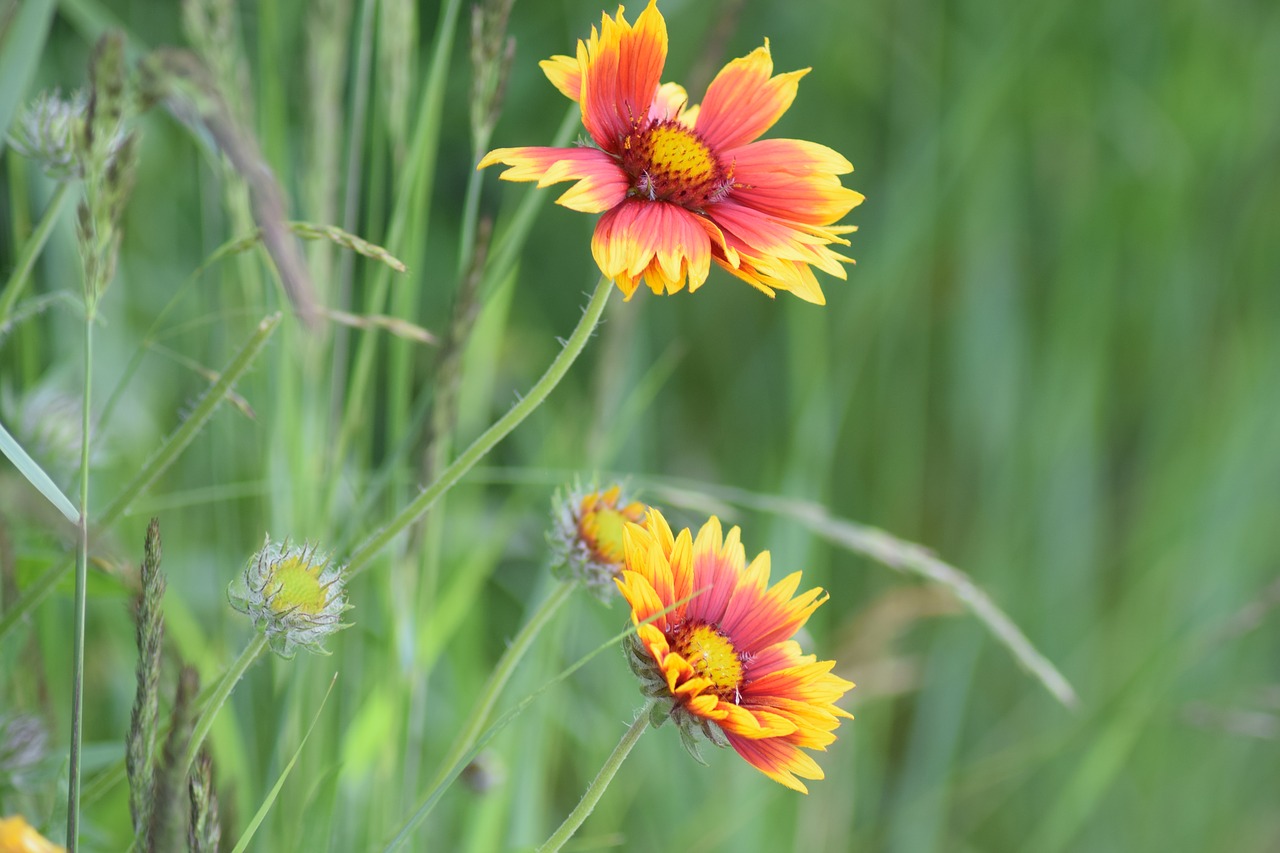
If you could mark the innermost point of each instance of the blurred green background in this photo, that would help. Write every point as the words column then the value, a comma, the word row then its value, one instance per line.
column 1056, row 364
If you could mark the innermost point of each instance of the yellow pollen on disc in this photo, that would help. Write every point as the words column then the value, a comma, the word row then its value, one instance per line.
column 602, row 530
column 298, row 582
column 676, row 151
column 668, row 161
column 712, row 657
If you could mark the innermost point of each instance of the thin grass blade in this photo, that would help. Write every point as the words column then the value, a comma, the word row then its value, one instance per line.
column 261, row 814
column 36, row 475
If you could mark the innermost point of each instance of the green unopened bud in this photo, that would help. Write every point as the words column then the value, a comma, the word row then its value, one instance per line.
column 294, row 594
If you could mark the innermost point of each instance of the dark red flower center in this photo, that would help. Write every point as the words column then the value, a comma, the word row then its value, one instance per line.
column 668, row 161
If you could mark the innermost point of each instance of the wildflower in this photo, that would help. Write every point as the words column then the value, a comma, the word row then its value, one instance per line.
column 679, row 185
column 586, row 538
column 294, row 594
column 18, row 836
column 723, row 663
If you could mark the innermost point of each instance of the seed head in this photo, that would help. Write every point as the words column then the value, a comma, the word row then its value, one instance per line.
column 294, row 594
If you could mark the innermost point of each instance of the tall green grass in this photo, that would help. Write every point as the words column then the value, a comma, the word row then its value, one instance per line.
column 1055, row 364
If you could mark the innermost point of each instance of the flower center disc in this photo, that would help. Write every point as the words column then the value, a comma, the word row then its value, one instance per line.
column 711, row 655
column 601, row 528
column 669, row 162
column 300, row 589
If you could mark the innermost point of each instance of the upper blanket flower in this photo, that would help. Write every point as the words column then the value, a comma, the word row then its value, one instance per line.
column 681, row 185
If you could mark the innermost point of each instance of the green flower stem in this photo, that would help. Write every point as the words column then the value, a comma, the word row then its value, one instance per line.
column 537, row 395
column 479, row 716
column 82, row 579
column 219, row 698
column 596, row 789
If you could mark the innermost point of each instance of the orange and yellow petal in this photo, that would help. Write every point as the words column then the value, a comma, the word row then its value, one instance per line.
column 565, row 74
column 717, row 563
column 662, row 244
column 793, row 180
column 669, row 103
column 770, row 274
column 776, row 254
column 766, row 237
column 745, row 99
column 643, row 601
column 621, row 70
column 18, row 836
column 779, row 760
column 600, row 186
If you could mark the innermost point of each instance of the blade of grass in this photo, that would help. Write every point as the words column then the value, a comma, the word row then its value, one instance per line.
column 482, row 740
column 261, row 814
column 36, row 475
column 418, row 180
column 489, row 438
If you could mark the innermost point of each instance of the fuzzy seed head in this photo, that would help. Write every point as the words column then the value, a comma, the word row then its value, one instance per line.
column 294, row 594
column 47, row 132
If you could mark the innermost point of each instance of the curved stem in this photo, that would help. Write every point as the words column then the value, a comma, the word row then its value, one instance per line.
column 537, row 395
column 596, row 789
column 479, row 716
column 219, row 698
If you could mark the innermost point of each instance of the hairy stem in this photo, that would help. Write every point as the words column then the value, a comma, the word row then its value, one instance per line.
column 596, row 789
column 536, row 397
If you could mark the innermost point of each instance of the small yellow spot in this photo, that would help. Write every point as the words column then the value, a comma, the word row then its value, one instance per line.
column 712, row 657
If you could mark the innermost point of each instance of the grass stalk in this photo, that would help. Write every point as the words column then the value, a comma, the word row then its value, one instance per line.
column 405, row 219
column 82, row 578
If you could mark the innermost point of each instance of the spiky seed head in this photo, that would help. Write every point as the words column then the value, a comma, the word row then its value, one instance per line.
column 294, row 594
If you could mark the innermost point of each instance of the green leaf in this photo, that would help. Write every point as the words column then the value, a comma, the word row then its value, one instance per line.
column 35, row 475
